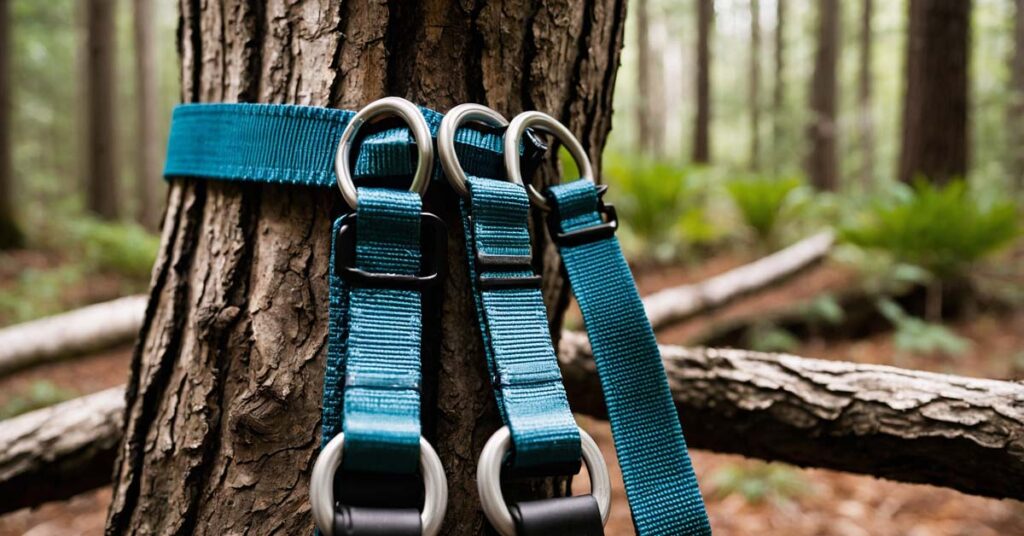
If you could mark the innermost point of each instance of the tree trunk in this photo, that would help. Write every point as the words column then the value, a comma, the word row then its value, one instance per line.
column 779, row 90
column 822, row 165
column 935, row 103
column 1016, row 115
column 702, row 130
column 755, row 84
column 101, row 152
column 10, row 234
column 646, row 121
column 864, row 96
column 146, row 148
column 223, row 401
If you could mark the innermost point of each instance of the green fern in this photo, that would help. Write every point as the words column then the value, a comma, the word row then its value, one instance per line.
column 942, row 229
column 760, row 202
column 660, row 204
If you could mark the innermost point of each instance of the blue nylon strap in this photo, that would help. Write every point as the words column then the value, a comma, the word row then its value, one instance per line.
column 296, row 145
column 374, row 341
column 513, row 322
column 660, row 482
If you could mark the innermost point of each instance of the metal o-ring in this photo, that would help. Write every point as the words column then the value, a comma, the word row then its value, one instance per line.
column 544, row 123
column 455, row 117
column 321, row 487
column 420, row 131
column 488, row 479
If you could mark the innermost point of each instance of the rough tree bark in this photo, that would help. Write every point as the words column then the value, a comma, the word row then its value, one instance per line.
column 101, row 137
column 936, row 99
column 10, row 233
column 779, row 88
column 1016, row 112
column 865, row 78
column 147, row 150
column 702, row 128
column 755, row 84
column 73, row 444
column 822, row 162
column 221, row 426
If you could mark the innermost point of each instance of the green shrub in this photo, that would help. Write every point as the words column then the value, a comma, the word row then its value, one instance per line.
column 660, row 205
column 760, row 202
column 758, row 481
column 125, row 248
column 918, row 336
column 37, row 293
column 940, row 229
column 38, row 395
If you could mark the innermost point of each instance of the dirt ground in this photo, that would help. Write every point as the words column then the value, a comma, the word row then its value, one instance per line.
column 744, row 497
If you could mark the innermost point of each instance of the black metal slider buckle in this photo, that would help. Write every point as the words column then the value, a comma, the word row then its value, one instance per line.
column 433, row 256
column 587, row 235
column 505, row 263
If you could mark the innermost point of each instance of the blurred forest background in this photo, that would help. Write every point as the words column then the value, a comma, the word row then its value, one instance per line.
column 741, row 127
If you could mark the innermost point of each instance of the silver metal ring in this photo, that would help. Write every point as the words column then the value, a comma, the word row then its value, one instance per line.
column 455, row 117
column 321, row 487
column 488, row 479
column 544, row 123
column 420, row 131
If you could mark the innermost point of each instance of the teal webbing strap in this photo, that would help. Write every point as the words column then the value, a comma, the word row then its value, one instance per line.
column 524, row 371
column 381, row 381
column 290, row 144
column 660, row 482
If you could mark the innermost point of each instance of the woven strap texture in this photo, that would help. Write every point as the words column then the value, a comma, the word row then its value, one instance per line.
column 382, row 354
column 660, row 482
column 289, row 144
column 524, row 371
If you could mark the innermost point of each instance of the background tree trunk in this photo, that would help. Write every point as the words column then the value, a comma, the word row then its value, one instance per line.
column 935, row 102
column 864, row 96
column 223, row 402
column 702, row 129
column 1016, row 115
column 147, row 150
column 649, row 127
column 101, row 154
column 822, row 165
column 779, row 89
column 755, row 84
column 10, row 234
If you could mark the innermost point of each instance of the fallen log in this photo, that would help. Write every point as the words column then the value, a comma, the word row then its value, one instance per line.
column 919, row 427
column 673, row 305
column 61, row 451
column 911, row 426
column 109, row 324
column 861, row 316
column 82, row 331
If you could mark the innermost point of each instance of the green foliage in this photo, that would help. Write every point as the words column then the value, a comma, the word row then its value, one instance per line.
column 660, row 204
column 941, row 229
column 758, row 481
column 38, row 395
column 760, row 201
column 87, row 247
column 915, row 335
column 125, row 248
column 771, row 338
column 37, row 293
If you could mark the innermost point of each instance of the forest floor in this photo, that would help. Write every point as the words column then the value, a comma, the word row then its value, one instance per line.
column 744, row 497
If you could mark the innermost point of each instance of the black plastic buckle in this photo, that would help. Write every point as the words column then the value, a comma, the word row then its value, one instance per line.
column 505, row 263
column 579, row 237
column 433, row 256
